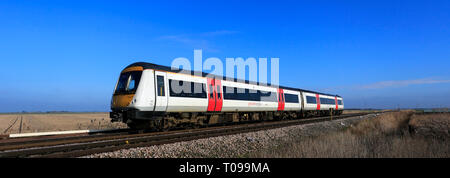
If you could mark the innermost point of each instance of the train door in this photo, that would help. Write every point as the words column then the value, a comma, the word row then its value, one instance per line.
column 211, row 94
column 215, row 95
column 281, row 101
column 219, row 95
column 161, row 91
column 318, row 101
column 335, row 101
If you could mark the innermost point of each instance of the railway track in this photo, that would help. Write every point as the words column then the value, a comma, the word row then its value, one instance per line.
column 77, row 146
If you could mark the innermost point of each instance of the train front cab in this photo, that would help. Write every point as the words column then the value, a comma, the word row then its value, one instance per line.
column 125, row 94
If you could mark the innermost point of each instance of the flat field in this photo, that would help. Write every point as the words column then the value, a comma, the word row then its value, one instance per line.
column 42, row 122
column 352, row 111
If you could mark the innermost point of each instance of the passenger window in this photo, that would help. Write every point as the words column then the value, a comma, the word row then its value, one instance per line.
column 160, row 83
column 311, row 100
column 218, row 92
column 211, row 92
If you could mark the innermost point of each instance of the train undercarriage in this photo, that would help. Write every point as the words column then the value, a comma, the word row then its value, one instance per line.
column 163, row 121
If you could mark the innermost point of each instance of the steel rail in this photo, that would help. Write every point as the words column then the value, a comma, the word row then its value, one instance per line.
column 25, row 142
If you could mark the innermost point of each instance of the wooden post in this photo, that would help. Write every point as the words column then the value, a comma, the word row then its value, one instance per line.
column 20, row 128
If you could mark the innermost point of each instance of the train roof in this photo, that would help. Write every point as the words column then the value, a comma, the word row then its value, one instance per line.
column 147, row 65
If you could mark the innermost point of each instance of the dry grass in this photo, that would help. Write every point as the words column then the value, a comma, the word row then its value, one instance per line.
column 56, row 122
column 386, row 136
column 431, row 125
column 387, row 124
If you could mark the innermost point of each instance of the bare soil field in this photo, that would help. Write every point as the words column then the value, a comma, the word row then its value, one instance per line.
column 10, row 123
column 352, row 111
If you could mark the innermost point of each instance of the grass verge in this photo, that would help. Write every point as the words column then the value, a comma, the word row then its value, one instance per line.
column 401, row 134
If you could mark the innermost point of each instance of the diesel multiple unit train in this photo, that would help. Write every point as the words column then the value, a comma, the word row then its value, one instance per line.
column 150, row 96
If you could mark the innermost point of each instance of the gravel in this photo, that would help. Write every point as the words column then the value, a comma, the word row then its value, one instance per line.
column 233, row 146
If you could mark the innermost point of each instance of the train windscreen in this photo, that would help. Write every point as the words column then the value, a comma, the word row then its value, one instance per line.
column 128, row 82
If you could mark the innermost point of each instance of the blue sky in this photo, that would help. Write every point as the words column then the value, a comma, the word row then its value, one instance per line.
column 67, row 55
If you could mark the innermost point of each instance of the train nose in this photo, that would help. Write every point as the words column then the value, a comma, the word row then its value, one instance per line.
column 121, row 101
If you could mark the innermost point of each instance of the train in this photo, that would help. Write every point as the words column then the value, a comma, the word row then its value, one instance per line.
column 156, row 97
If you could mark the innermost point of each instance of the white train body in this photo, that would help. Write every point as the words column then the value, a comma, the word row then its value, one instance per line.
column 145, row 91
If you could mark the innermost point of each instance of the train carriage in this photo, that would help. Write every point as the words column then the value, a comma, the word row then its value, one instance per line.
column 159, row 97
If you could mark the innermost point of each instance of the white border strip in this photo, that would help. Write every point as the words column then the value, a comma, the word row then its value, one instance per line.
column 56, row 133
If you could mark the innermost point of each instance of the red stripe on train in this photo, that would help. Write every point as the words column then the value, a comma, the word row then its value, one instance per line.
column 335, row 100
column 219, row 95
column 211, row 95
column 318, row 101
column 281, row 101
